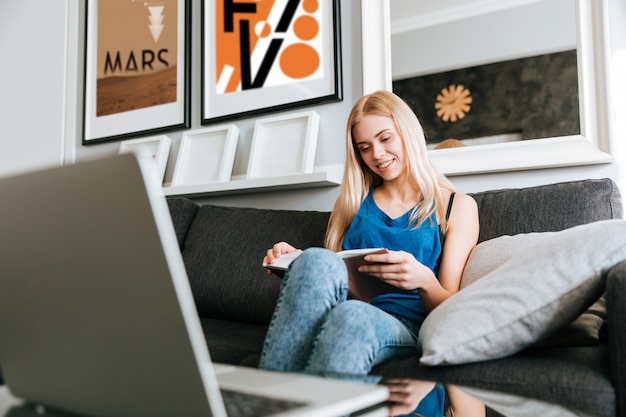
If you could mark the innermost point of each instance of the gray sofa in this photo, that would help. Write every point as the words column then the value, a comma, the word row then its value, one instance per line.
column 223, row 247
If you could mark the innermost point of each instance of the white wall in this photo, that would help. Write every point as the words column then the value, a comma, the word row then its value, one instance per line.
column 41, row 49
column 32, row 101
column 498, row 36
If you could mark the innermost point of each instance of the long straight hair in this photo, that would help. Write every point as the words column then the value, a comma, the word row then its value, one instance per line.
column 358, row 179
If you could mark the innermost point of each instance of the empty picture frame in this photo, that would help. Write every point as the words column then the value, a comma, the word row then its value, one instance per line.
column 206, row 156
column 284, row 145
column 156, row 146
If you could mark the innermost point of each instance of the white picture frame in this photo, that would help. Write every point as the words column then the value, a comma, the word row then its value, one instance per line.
column 206, row 156
column 156, row 146
column 284, row 145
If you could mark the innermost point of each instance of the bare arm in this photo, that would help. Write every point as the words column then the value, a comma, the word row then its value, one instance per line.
column 461, row 238
column 464, row 405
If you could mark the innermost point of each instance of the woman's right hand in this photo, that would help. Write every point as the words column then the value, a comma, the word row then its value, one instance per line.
column 277, row 250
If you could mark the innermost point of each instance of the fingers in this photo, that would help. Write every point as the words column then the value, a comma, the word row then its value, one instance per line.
column 398, row 275
column 274, row 252
column 277, row 250
column 269, row 256
column 397, row 268
column 389, row 261
column 405, row 395
column 387, row 257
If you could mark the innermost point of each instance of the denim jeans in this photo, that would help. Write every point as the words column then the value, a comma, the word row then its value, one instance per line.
column 316, row 329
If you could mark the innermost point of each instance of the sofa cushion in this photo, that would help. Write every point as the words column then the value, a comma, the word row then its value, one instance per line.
column 223, row 252
column 547, row 208
column 531, row 295
column 587, row 329
column 182, row 211
column 234, row 343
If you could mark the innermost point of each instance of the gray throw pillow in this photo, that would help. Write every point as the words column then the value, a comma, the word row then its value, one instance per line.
column 532, row 294
column 585, row 330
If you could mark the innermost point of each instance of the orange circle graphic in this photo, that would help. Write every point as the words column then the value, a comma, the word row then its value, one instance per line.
column 310, row 6
column 299, row 60
column 306, row 27
column 263, row 29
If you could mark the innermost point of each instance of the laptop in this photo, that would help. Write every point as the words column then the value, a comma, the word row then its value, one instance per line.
column 96, row 314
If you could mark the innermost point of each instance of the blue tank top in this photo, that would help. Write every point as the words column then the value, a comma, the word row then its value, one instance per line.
column 373, row 228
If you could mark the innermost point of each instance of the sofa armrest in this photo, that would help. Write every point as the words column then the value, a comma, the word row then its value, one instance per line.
column 616, row 321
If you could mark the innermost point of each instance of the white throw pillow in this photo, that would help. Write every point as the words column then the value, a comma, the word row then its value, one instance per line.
column 539, row 290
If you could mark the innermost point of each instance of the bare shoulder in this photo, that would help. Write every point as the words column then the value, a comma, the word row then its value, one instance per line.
column 464, row 202
column 464, row 211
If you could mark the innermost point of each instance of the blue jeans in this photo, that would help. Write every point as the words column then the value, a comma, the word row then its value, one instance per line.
column 316, row 329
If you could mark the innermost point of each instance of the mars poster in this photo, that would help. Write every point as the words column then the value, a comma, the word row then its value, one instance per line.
column 136, row 67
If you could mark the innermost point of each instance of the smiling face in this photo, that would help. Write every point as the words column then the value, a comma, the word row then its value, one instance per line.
column 380, row 146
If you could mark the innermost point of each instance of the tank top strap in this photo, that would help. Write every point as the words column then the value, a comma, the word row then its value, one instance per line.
column 442, row 236
column 450, row 205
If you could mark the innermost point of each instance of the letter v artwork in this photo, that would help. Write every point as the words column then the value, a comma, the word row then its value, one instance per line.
column 267, row 55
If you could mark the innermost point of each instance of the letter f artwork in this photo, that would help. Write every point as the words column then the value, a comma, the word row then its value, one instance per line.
column 267, row 43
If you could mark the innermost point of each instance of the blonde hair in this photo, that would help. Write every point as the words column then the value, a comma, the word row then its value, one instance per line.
column 358, row 179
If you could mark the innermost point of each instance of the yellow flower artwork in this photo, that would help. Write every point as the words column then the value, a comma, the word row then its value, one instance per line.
column 453, row 103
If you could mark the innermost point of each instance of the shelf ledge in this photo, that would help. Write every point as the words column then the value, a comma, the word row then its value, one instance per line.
column 323, row 176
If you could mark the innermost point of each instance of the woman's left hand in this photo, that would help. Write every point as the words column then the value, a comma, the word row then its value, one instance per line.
column 398, row 268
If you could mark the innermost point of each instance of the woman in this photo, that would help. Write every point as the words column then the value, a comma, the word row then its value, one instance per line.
column 392, row 197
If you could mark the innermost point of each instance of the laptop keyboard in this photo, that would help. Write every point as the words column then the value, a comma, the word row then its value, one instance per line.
column 242, row 404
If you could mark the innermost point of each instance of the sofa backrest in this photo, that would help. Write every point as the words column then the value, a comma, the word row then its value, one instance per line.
column 547, row 208
column 223, row 246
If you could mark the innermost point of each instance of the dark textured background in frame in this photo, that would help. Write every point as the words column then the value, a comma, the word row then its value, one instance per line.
column 535, row 97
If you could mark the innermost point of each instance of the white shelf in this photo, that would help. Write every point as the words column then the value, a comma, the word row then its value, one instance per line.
column 324, row 176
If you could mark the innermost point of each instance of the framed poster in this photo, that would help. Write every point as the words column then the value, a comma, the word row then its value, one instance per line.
column 268, row 55
column 137, row 68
